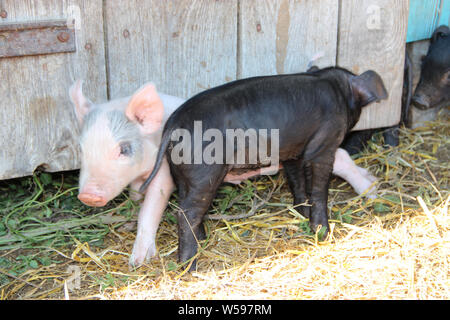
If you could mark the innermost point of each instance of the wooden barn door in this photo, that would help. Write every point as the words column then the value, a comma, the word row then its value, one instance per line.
column 372, row 35
column 183, row 46
column 283, row 36
column 42, row 52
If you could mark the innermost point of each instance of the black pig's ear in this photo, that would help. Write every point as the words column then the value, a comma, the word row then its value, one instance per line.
column 368, row 87
column 313, row 69
column 441, row 31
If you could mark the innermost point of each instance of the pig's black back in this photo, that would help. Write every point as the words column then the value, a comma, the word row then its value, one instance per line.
column 305, row 103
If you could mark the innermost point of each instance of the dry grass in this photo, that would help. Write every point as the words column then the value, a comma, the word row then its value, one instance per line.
column 406, row 260
column 394, row 247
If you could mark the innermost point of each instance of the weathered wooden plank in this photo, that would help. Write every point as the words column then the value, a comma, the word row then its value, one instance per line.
column 372, row 35
column 183, row 46
column 38, row 125
column 282, row 36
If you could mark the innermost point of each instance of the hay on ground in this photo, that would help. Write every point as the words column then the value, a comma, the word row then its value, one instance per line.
column 394, row 247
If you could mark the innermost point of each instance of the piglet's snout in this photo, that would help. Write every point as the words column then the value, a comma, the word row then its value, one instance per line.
column 92, row 200
column 92, row 197
column 421, row 101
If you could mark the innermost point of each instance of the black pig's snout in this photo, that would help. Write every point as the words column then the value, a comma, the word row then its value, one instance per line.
column 421, row 102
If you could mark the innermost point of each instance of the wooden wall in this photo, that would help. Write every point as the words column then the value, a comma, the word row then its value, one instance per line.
column 372, row 35
column 282, row 36
column 38, row 127
column 184, row 47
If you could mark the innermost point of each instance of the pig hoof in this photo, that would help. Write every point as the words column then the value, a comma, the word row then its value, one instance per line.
column 367, row 179
column 321, row 230
column 319, row 224
column 365, row 173
column 372, row 193
column 305, row 211
column 371, row 177
column 141, row 255
column 369, row 194
column 135, row 196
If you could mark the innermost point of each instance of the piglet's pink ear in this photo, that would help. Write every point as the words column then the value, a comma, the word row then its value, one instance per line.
column 82, row 105
column 146, row 108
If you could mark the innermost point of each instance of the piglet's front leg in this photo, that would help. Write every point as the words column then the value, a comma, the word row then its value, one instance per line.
column 155, row 202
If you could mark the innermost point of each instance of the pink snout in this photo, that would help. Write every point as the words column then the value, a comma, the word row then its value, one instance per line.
column 93, row 200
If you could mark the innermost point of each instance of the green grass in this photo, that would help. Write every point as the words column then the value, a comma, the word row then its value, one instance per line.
column 41, row 213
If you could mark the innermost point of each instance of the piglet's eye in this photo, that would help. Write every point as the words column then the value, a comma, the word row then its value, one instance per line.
column 126, row 149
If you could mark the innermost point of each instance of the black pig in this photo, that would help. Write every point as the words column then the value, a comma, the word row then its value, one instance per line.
column 433, row 89
column 357, row 140
column 312, row 111
column 431, row 94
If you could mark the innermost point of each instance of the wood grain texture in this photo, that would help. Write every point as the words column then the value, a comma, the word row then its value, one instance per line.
column 183, row 46
column 39, row 127
column 282, row 36
column 372, row 35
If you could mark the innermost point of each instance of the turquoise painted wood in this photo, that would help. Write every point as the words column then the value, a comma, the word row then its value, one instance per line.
column 425, row 16
column 444, row 15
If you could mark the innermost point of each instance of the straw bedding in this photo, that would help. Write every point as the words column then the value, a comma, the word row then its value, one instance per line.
column 394, row 247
